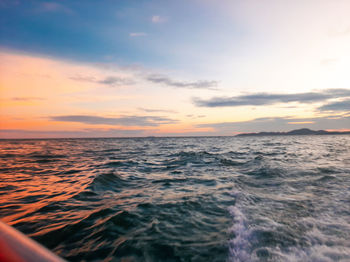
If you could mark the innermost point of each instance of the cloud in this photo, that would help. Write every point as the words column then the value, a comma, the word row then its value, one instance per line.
column 260, row 99
column 280, row 124
column 55, row 7
column 201, row 84
column 109, row 80
column 123, row 121
column 158, row 19
column 300, row 122
column 137, row 34
column 336, row 106
column 112, row 80
column 195, row 116
column 27, row 99
column 148, row 110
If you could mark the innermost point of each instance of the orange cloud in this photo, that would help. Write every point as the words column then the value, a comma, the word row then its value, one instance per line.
column 302, row 122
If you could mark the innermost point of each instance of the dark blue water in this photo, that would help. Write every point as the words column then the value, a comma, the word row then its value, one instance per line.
column 181, row 199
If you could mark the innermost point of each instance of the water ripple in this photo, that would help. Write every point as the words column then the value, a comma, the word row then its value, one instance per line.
column 181, row 199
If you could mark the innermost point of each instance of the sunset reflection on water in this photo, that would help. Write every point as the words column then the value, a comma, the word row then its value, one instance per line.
column 35, row 174
column 180, row 199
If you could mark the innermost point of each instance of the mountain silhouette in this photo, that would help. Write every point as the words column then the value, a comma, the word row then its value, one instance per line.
column 297, row 132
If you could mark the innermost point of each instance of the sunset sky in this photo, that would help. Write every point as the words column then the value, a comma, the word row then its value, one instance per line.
column 172, row 68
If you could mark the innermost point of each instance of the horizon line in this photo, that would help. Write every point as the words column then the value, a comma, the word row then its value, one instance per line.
column 339, row 131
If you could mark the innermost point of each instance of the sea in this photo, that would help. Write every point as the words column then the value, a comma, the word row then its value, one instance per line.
column 277, row 198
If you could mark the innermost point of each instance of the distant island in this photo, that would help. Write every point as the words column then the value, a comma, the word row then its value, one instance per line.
column 297, row 132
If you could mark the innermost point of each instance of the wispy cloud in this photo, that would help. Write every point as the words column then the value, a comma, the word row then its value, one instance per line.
column 137, row 34
column 113, row 80
column 336, row 106
column 55, row 7
column 149, row 110
column 201, row 84
column 27, row 99
column 123, row 121
column 300, row 122
column 259, row 99
column 194, row 116
column 158, row 19
column 109, row 80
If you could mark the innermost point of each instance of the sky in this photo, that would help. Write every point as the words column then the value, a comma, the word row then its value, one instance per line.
column 117, row 68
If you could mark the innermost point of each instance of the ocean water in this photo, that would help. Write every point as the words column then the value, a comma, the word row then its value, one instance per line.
column 181, row 199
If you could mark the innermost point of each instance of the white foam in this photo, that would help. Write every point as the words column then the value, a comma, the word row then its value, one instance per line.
column 239, row 245
column 321, row 247
column 319, row 253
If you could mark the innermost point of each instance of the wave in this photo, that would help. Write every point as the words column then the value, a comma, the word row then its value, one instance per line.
column 120, row 163
column 239, row 246
column 267, row 172
column 108, row 182
column 229, row 162
column 201, row 158
column 88, row 238
column 181, row 199
column 45, row 156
